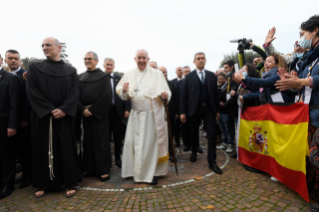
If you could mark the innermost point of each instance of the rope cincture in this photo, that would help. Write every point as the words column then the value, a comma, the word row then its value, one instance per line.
column 50, row 153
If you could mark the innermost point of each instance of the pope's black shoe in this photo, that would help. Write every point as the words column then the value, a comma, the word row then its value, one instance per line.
column 193, row 157
column 118, row 163
column 154, row 182
column 213, row 166
column 6, row 191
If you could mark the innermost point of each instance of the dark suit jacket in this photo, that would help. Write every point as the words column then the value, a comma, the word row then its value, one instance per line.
column 190, row 93
column 26, row 107
column 10, row 96
column 172, row 105
column 121, row 106
column 179, row 88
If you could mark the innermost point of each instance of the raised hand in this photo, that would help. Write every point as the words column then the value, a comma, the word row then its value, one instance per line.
column 270, row 36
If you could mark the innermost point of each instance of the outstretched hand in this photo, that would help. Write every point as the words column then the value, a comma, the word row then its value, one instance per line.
column 289, row 82
column 270, row 36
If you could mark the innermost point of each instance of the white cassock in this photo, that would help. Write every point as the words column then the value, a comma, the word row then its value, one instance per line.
column 145, row 153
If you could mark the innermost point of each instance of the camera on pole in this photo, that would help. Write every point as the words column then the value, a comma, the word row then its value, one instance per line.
column 243, row 44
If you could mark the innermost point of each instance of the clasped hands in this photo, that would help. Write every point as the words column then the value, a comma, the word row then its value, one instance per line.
column 57, row 114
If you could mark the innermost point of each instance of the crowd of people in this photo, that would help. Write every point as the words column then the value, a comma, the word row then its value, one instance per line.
column 58, row 125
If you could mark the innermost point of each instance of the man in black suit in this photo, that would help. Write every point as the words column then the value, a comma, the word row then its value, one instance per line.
column 119, row 112
column 172, row 108
column 177, row 122
column 200, row 100
column 10, row 97
column 23, row 137
column 186, row 125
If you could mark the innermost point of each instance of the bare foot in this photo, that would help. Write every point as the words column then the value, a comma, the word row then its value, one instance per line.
column 70, row 191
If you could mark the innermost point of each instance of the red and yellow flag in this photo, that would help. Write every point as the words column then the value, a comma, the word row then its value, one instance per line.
column 274, row 139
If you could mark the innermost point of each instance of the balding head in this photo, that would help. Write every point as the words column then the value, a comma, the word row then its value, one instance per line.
column 163, row 70
column 179, row 72
column 153, row 64
column 141, row 59
column 51, row 48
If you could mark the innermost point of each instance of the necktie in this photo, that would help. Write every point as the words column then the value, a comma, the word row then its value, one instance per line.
column 201, row 77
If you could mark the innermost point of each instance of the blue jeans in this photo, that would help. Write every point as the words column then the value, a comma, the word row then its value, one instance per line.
column 226, row 124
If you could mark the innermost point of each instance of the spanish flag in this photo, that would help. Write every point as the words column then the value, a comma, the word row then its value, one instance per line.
column 274, row 139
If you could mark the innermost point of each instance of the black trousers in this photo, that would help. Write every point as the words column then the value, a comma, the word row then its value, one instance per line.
column 172, row 119
column 7, row 160
column 23, row 147
column 186, row 133
column 176, row 134
column 117, row 128
column 209, row 117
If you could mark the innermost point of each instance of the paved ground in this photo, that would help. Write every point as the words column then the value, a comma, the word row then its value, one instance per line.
column 194, row 190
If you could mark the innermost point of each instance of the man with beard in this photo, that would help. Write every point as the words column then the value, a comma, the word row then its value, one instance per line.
column 95, row 105
column 53, row 92
column 145, row 154
column 23, row 137
column 10, row 97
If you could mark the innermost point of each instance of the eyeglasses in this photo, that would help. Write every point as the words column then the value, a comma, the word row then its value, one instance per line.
column 89, row 59
column 46, row 45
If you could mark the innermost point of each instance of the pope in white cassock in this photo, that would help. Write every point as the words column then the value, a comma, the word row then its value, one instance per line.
column 145, row 153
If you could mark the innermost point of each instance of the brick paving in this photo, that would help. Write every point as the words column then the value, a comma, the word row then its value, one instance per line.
column 234, row 190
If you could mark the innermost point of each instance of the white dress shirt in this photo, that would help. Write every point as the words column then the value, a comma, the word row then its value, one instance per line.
column 16, row 71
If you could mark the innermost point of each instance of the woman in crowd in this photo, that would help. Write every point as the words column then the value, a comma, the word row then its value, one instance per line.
column 309, row 86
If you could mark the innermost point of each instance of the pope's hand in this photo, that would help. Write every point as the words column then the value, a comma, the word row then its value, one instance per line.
column 125, row 87
column 183, row 118
column 164, row 95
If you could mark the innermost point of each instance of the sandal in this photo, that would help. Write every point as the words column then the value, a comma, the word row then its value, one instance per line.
column 72, row 194
column 40, row 195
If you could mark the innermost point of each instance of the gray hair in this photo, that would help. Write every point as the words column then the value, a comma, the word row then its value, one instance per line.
column 198, row 53
column 154, row 62
column 143, row 50
column 109, row 59
column 186, row 67
column 94, row 55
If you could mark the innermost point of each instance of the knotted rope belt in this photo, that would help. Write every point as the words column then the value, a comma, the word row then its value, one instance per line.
column 50, row 153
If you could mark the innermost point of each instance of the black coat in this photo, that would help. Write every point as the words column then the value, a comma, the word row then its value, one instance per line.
column 26, row 107
column 190, row 93
column 121, row 106
column 172, row 105
column 179, row 88
column 10, row 97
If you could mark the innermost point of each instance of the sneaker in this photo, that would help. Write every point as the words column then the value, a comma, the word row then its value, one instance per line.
column 229, row 148
column 274, row 179
column 222, row 146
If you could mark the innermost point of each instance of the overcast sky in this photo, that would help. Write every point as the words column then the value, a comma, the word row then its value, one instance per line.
column 172, row 31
